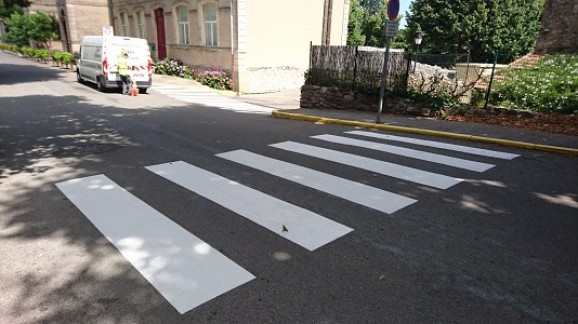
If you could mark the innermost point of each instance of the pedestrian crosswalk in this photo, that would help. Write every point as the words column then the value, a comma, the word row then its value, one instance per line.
column 212, row 99
column 393, row 170
column 189, row 272
column 174, row 261
column 307, row 229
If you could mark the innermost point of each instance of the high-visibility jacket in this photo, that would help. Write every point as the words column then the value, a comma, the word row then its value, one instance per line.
column 122, row 66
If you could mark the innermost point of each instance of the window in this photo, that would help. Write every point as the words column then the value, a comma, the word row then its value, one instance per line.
column 140, row 20
column 124, row 24
column 210, row 23
column 183, row 20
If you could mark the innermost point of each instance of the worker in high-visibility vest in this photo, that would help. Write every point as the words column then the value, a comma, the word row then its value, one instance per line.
column 124, row 72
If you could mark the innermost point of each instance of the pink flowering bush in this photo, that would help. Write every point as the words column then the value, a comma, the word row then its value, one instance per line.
column 219, row 80
column 215, row 79
column 173, row 67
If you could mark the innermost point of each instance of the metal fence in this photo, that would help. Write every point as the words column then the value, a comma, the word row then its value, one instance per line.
column 357, row 68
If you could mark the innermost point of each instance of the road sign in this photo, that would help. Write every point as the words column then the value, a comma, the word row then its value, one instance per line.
column 393, row 9
column 391, row 27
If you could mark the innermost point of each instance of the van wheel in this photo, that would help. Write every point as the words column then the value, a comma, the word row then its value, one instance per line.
column 99, row 85
column 142, row 90
column 78, row 78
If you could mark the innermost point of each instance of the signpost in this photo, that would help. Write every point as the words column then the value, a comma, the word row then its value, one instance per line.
column 393, row 9
column 391, row 27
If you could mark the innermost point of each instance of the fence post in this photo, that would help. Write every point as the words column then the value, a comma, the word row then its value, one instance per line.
column 310, row 54
column 408, row 55
column 383, row 78
column 353, row 83
column 491, row 80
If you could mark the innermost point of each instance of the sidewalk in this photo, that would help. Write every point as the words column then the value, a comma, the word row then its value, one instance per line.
column 287, row 105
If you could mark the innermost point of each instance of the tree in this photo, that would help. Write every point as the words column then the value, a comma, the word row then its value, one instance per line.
column 367, row 23
column 39, row 27
column 372, row 6
column 8, row 7
column 479, row 27
column 355, row 34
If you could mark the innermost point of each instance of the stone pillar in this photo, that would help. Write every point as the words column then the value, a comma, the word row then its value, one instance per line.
column 559, row 31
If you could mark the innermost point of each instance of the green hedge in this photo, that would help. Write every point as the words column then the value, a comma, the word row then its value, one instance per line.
column 550, row 86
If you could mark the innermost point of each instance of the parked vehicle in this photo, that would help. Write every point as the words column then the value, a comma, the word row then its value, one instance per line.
column 98, row 56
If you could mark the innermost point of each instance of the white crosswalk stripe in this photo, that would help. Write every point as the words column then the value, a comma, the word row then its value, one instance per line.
column 419, row 155
column 212, row 99
column 306, row 228
column 381, row 200
column 381, row 167
column 436, row 144
column 187, row 271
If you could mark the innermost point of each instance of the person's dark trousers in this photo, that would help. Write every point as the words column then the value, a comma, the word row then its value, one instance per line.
column 126, row 83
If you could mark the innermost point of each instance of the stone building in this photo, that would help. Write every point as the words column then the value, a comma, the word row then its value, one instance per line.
column 77, row 18
column 559, row 31
column 264, row 43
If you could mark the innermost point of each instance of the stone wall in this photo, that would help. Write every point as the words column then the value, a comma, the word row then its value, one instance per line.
column 559, row 31
column 320, row 97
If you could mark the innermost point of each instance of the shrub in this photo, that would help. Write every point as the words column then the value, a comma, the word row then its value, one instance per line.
column 41, row 54
column 27, row 51
column 66, row 58
column 173, row 67
column 219, row 80
column 550, row 86
column 57, row 57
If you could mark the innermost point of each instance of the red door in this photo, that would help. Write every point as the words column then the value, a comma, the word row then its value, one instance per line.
column 161, row 37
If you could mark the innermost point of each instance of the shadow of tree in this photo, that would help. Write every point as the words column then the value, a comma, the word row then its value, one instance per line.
column 62, row 269
column 30, row 73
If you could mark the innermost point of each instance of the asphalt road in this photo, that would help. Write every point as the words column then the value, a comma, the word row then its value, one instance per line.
column 97, row 224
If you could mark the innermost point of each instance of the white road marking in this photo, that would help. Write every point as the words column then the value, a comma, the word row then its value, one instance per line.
column 451, row 147
column 381, row 167
column 305, row 228
column 378, row 199
column 411, row 153
column 212, row 99
column 184, row 269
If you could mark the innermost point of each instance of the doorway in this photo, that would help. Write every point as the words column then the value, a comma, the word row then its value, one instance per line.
column 161, row 36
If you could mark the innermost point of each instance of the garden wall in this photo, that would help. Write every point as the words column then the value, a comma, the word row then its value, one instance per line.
column 320, row 97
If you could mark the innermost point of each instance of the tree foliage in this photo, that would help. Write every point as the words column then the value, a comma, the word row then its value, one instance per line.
column 8, row 7
column 39, row 27
column 479, row 27
column 355, row 35
column 367, row 24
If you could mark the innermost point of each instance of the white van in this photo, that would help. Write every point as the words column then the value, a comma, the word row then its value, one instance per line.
column 97, row 62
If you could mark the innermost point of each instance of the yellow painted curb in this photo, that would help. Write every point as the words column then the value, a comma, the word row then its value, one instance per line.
column 411, row 130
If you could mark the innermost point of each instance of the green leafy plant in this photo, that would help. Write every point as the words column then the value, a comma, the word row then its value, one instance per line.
column 57, row 57
column 41, row 55
column 219, row 80
column 550, row 86
column 66, row 58
column 173, row 67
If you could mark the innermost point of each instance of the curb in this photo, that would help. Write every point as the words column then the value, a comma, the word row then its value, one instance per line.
column 420, row 131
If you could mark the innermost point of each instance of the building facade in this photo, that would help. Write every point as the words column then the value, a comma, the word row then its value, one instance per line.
column 77, row 18
column 264, row 44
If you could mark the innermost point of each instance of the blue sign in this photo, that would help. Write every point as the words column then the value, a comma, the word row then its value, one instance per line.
column 393, row 9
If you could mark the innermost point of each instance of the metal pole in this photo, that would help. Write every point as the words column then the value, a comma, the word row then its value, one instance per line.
column 491, row 80
column 383, row 78
column 416, row 53
column 354, row 69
